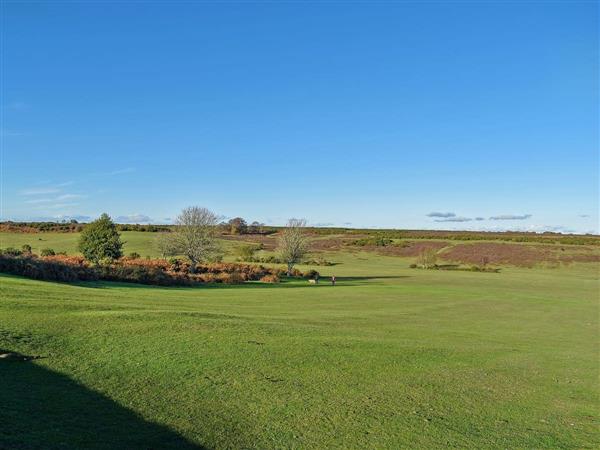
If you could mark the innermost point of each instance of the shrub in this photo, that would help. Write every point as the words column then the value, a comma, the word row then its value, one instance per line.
column 47, row 252
column 378, row 241
column 312, row 275
column 145, row 271
column 12, row 251
column 42, row 269
column 318, row 262
column 245, row 252
column 270, row 279
column 26, row 248
column 134, row 255
column 413, row 266
column 100, row 240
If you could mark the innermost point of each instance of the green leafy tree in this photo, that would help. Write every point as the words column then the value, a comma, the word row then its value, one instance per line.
column 100, row 240
column 238, row 226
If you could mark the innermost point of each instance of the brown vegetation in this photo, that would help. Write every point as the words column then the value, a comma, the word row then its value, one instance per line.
column 517, row 254
column 146, row 271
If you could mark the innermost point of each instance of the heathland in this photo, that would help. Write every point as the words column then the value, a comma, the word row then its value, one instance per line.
column 389, row 357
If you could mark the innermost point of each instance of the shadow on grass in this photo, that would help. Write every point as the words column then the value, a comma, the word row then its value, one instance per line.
column 284, row 284
column 45, row 409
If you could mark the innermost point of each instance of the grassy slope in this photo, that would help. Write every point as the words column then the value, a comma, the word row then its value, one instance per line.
column 135, row 241
column 412, row 358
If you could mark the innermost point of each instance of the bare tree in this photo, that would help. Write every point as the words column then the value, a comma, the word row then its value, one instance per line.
column 195, row 236
column 427, row 258
column 293, row 244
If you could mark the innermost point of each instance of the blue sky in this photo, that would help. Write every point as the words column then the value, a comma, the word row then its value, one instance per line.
column 448, row 115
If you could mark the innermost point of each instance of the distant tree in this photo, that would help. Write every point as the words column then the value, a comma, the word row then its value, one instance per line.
column 165, row 244
column 100, row 240
column 195, row 236
column 256, row 227
column 293, row 243
column 427, row 258
column 237, row 226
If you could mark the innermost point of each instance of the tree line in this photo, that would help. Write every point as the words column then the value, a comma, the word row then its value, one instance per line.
column 194, row 235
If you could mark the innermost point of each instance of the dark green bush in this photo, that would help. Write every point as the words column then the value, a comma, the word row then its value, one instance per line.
column 100, row 240
column 312, row 275
column 12, row 251
column 47, row 252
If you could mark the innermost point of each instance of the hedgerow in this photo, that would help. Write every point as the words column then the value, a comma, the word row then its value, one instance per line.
column 160, row 272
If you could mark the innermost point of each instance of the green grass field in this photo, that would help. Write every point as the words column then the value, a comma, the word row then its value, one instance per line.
column 135, row 241
column 391, row 357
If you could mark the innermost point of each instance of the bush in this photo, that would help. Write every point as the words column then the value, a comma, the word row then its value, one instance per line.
column 312, row 275
column 12, row 251
column 47, row 252
column 270, row 279
column 100, row 240
column 245, row 252
column 318, row 262
column 26, row 248
column 42, row 269
column 134, row 255
column 146, row 271
column 378, row 241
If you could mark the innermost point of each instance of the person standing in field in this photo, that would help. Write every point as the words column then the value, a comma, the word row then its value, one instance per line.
column 333, row 280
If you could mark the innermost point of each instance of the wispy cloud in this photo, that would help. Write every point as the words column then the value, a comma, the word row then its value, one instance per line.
column 511, row 217
column 118, row 171
column 585, row 216
column 455, row 219
column 59, row 198
column 441, row 214
column 59, row 205
column 479, row 218
column 40, row 191
column 11, row 133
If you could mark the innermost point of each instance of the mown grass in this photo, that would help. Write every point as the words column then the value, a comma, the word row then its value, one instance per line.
column 389, row 358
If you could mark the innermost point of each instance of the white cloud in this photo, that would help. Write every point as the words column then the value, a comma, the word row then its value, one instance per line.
column 40, row 191
column 455, row 219
column 134, row 218
column 441, row 214
column 511, row 217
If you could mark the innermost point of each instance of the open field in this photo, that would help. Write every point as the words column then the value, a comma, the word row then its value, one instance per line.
column 469, row 253
column 390, row 357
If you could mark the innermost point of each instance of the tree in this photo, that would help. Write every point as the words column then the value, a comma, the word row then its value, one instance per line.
column 195, row 236
column 237, row 226
column 427, row 258
column 101, row 240
column 255, row 227
column 293, row 244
